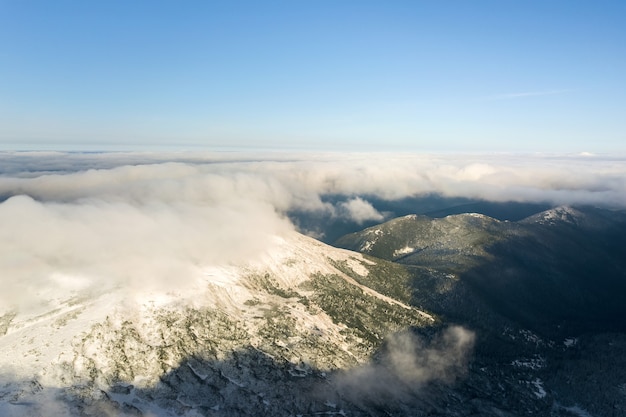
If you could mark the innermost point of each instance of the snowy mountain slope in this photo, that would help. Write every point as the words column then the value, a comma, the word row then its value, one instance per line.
column 291, row 306
column 581, row 218
column 307, row 329
column 563, row 214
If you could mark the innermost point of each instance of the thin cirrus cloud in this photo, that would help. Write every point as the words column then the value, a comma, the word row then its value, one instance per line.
column 520, row 95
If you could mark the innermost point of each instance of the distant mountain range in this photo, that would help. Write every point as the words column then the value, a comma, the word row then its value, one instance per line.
column 329, row 228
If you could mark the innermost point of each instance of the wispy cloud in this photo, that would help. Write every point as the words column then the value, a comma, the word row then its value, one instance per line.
column 513, row 96
column 408, row 363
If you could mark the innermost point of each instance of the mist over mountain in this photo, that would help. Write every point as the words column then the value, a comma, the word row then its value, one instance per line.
column 185, row 284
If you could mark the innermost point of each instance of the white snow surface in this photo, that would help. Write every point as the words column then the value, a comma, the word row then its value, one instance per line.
column 477, row 215
column 580, row 412
column 369, row 244
column 403, row 251
column 540, row 391
column 570, row 342
column 564, row 214
column 37, row 341
column 535, row 363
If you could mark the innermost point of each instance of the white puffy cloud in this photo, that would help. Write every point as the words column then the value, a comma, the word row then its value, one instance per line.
column 359, row 210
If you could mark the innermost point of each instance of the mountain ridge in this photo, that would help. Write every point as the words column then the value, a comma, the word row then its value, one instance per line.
column 565, row 252
column 309, row 329
column 292, row 305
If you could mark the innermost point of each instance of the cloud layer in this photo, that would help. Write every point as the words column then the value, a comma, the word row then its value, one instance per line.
column 289, row 181
column 72, row 220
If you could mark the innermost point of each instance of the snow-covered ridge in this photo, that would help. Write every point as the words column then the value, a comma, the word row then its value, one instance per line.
column 121, row 332
column 562, row 214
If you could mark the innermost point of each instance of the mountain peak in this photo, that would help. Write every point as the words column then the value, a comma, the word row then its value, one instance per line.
column 563, row 213
column 558, row 215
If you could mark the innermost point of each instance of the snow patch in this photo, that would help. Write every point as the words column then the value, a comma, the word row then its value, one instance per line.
column 564, row 214
column 223, row 276
column 232, row 381
column 477, row 215
column 199, row 374
column 535, row 363
column 404, row 251
column 357, row 267
column 531, row 337
column 540, row 391
column 368, row 244
column 570, row 342
column 576, row 409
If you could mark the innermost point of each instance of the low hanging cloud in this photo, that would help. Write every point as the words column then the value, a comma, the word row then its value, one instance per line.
column 71, row 220
column 52, row 248
column 359, row 211
column 407, row 364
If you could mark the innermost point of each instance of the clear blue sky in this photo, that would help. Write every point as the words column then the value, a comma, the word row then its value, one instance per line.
column 420, row 75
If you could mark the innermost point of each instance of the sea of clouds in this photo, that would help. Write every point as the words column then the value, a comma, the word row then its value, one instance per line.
column 139, row 219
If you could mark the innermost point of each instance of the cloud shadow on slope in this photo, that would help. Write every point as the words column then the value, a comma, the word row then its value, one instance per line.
column 564, row 281
column 411, row 372
column 559, row 279
column 249, row 382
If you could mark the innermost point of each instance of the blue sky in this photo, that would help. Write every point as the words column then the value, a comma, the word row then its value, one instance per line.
column 529, row 76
